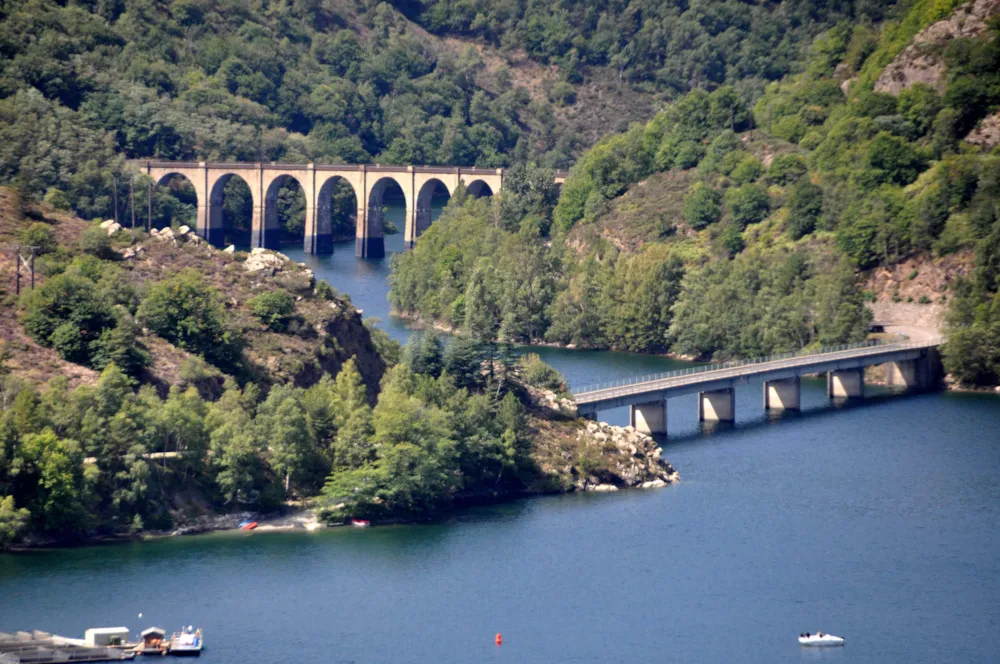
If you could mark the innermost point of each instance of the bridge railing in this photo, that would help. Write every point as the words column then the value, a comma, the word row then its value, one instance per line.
column 733, row 364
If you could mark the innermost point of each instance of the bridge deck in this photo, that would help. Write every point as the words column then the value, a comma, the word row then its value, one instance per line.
column 710, row 376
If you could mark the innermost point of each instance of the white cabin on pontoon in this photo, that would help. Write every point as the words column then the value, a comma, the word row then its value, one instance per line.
column 97, row 637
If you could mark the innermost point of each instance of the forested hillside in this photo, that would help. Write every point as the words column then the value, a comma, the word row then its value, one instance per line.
column 84, row 85
column 148, row 381
column 723, row 228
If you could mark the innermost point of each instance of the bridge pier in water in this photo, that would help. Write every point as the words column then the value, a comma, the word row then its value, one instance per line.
column 846, row 384
column 908, row 373
column 783, row 394
column 717, row 405
column 649, row 418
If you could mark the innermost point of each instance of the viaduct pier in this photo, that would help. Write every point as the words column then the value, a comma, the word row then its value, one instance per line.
column 317, row 181
column 911, row 364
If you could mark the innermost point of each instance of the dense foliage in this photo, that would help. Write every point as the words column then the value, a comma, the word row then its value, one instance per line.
column 815, row 182
column 653, row 300
column 85, row 85
column 670, row 44
column 111, row 459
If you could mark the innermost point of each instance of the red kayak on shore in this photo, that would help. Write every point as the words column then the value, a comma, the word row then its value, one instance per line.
column 248, row 526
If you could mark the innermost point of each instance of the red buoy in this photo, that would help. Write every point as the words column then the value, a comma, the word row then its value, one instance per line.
column 499, row 639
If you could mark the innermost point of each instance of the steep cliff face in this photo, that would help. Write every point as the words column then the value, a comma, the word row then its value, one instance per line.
column 921, row 61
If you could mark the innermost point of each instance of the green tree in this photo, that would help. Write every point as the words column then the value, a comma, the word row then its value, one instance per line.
column 41, row 236
column 805, row 206
column 702, row 206
column 188, row 312
column 424, row 353
column 747, row 204
column 13, row 521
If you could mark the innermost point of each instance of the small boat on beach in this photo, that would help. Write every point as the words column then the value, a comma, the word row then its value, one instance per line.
column 248, row 525
column 188, row 642
column 360, row 523
column 820, row 639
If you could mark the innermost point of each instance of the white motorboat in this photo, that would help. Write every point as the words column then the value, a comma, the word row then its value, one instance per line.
column 820, row 639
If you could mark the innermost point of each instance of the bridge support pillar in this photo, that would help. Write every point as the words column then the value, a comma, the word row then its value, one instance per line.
column 908, row 374
column 365, row 244
column 209, row 232
column 782, row 394
column 717, row 406
column 649, row 418
column 847, row 384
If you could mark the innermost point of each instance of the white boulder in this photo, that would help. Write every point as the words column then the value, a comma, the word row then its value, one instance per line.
column 112, row 228
column 231, row 249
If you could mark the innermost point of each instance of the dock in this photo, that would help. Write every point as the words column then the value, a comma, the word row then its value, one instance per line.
column 43, row 648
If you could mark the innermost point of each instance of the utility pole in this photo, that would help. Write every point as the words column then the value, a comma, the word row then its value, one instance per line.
column 149, row 216
column 116, row 197
column 28, row 263
column 131, row 193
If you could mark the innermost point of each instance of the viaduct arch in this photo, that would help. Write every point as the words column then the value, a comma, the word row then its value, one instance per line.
column 317, row 181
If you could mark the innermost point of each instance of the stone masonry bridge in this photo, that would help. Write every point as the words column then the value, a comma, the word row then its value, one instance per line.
column 912, row 364
column 317, row 181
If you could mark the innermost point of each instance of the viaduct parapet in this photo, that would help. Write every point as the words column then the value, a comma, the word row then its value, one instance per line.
column 317, row 181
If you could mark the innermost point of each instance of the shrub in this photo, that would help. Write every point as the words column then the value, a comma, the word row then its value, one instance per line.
column 731, row 238
column 65, row 299
column 537, row 373
column 189, row 313
column 95, row 241
column 68, row 340
column 924, row 300
column 747, row 204
column 748, row 170
column 273, row 308
column 701, row 206
column 562, row 94
column 58, row 199
column 325, row 291
column 786, row 168
column 41, row 236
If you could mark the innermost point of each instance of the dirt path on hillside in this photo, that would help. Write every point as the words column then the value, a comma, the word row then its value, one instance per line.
column 914, row 332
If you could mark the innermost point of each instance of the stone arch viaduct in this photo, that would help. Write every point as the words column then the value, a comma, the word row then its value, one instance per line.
column 317, row 181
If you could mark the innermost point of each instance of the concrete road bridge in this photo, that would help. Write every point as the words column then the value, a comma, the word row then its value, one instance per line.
column 317, row 181
column 910, row 364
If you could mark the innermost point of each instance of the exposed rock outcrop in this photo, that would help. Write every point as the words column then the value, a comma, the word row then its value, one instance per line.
column 987, row 134
column 595, row 456
column 920, row 62
column 633, row 459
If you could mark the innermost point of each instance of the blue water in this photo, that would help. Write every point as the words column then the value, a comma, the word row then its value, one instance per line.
column 877, row 520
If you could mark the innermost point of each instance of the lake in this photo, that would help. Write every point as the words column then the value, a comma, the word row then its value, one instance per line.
column 877, row 520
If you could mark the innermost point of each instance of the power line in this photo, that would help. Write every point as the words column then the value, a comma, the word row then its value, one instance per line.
column 28, row 262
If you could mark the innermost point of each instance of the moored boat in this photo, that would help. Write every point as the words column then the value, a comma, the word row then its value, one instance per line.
column 820, row 639
column 152, row 642
column 360, row 523
column 187, row 642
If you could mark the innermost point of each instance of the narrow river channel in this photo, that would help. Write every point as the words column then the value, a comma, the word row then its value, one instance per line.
column 878, row 521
